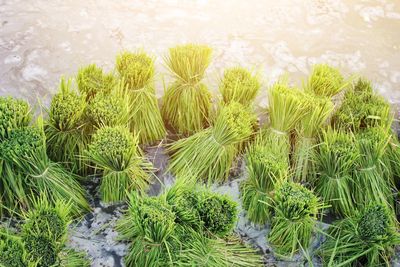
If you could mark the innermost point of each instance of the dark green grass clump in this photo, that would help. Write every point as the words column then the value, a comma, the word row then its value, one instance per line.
column 362, row 108
column 115, row 152
column 12, row 252
column 187, row 102
column 64, row 128
column 239, row 85
column 366, row 238
column 14, row 113
column 210, row 153
column 296, row 209
column 137, row 71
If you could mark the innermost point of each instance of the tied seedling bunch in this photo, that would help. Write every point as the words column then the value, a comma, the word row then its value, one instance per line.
column 367, row 238
column 266, row 166
column 64, row 128
column 115, row 152
column 325, row 81
column 335, row 158
column 210, row 153
column 362, row 108
column 187, row 101
column 137, row 71
column 373, row 179
column 318, row 111
column 295, row 212
column 14, row 113
column 92, row 80
column 239, row 85
column 185, row 226
column 12, row 252
column 28, row 170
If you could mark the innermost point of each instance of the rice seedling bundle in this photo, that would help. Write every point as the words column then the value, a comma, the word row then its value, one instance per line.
column 64, row 128
column 296, row 209
column 12, row 253
column 187, row 102
column 137, row 71
column 14, row 113
column 209, row 154
column 325, row 81
column 107, row 110
column 115, row 151
column 28, row 170
column 319, row 109
column 266, row 166
column 335, row 158
column 148, row 226
column 362, row 108
column 367, row 238
column 92, row 80
column 374, row 181
column 239, row 85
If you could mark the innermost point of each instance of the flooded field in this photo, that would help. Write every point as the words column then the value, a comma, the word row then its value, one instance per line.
column 41, row 41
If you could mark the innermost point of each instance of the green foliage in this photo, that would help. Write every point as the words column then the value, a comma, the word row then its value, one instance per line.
column 65, row 137
column 41, row 250
column 325, row 81
column 266, row 166
column 14, row 113
column 373, row 180
column 107, row 110
column 92, row 80
column 239, row 85
column 47, row 219
column 296, row 209
column 334, row 159
column 362, row 108
column 137, row 71
column 319, row 109
column 187, row 102
column 218, row 213
column 72, row 258
column 366, row 238
column 114, row 151
column 209, row 154
column 12, row 252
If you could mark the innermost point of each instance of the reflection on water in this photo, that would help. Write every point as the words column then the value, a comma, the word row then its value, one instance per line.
column 42, row 40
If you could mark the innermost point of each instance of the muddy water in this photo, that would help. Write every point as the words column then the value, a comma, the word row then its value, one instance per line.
column 42, row 40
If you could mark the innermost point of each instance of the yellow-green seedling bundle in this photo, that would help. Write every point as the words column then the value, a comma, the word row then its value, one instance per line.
column 295, row 212
column 14, row 113
column 64, row 128
column 315, row 118
column 367, row 238
column 210, row 153
column 266, row 166
column 335, row 158
column 114, row 151
column 239, row 85
column 325, row 81
column 92, row 80
column 186, row 103
column 137, row 72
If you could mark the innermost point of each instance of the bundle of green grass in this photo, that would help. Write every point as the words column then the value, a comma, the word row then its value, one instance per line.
column 266, row 166
column 367, row 238
column 42, row 237
column 183, row 227
column 325, row 81
column 239, row 85
column 26, row 168
column 137, row 71
column 114, row 151
column 187, row 102
column 64, row 128
column 295, row 212
column 210, row 153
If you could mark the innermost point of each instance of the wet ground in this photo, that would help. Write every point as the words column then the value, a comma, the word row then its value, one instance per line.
column 42, row 40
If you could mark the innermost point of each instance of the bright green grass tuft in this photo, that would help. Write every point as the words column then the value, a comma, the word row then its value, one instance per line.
column 14, row 113
column 325, row 81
